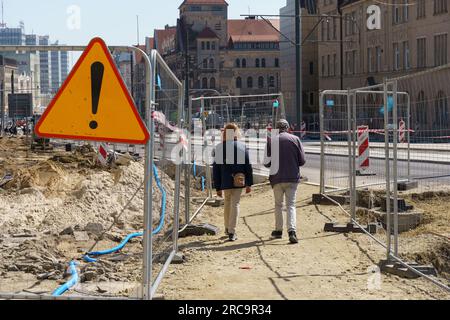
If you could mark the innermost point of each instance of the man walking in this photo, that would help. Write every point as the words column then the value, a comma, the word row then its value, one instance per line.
column 285, row 157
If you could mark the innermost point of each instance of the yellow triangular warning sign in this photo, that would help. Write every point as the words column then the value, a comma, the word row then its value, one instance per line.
column 93, row 103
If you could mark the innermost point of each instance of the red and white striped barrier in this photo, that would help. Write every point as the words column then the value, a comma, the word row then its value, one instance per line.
column 103, row 154
column 161, row 119
column 363, row 148
column 303, row 130
column 402, row 132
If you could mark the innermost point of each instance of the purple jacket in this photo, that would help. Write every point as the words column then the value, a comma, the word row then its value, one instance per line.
column 285, row 164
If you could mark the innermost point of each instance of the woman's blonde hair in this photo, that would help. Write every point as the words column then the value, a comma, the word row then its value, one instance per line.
column 227, row 129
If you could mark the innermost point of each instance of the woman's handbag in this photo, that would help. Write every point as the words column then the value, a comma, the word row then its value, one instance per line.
column 239, row 180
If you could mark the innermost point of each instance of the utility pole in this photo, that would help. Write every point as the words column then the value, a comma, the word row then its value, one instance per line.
column 298, row 59
column 341, row 43
column 2, row 107
column 186, row 70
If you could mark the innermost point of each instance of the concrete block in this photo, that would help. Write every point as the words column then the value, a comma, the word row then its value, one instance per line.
column 320, row 199
column 404, row 272
column 406, row 220
column 199, row 230
column 349, row 228
column 402, row 206
column 405, row 186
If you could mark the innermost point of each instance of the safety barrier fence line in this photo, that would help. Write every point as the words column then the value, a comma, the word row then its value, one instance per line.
column 417, row 272
column 23, row 296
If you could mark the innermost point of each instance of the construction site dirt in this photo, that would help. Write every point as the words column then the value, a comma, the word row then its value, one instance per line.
column 56, row 205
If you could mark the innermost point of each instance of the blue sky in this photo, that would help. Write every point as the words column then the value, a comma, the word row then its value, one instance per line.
column 113, row 20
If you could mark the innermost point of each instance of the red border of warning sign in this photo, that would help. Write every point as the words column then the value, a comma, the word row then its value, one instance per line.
column 122, row 85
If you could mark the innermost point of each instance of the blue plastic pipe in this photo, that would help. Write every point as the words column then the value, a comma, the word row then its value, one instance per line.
column 88, row 258
column 194, row 169
column 89, row 255
column 69, row 284
column 203, row 183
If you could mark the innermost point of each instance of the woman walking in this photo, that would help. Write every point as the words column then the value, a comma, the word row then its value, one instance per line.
column 232, row 174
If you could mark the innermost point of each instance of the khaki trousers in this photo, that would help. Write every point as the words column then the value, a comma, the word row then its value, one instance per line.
column 232, row 204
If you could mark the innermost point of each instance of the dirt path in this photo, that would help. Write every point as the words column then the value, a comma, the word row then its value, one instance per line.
column 322, row 266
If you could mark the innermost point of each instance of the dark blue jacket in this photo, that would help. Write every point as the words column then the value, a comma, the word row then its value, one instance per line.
column 227, row 164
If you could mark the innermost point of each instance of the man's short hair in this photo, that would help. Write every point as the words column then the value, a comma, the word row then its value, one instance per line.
column 283, row 125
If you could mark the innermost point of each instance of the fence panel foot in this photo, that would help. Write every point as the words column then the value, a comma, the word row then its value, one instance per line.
column 349, row 228
column 399, row 270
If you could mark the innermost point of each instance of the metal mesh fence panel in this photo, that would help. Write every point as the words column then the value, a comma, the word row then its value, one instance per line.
column 72, row 211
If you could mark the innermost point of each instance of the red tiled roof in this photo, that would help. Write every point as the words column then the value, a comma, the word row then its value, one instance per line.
column 205, row 2
column 253, row 30
column 207, row 33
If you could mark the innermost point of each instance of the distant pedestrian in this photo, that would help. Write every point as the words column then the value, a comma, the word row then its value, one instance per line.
column 232, row 174
column 285, row 177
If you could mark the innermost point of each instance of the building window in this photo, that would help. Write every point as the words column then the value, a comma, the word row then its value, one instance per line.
column 311, row 68
column 238, row 63
column 213, row 45
column 406, row 55
column 205, row 63
column 334, row 29
column 211, row 63
column 421, row 110
column 203, row 45
column 396, row 13
column 239, row 82
column 421, row 9
column 440, row 49
column 277, row 63
column 369, row 60
column 323, row 66
column 311, row 98
column 421, row 53
column 378, row 54
column 440, row 6
column 205, row 83
column 328, row 65
column 244, row 63
column 334, row 64
column 257, row 63
column 441, row 111
column 261, row 82
column 263, row 62
column 212, row 83
column 322, row 27
column 405, row 10
column 272, row 82
column 396, row 57
column 249, row 82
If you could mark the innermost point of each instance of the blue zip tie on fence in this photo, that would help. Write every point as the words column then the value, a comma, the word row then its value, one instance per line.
column 69, row 284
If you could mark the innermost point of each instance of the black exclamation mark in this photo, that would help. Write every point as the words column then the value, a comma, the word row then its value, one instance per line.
column 97, row 70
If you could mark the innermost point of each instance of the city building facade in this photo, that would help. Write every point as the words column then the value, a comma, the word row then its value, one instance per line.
column 309, row 70
column 235, row 57
column 413, row 37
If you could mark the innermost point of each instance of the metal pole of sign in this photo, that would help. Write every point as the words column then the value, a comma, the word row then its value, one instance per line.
column 408, row 133
column 322, row 143
column 207, row 166
column 387, row 170
column 395, row 169
column 148, row 207
column 179, row 165
column 354, row 148
column 349, row 143
column 187, row 176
